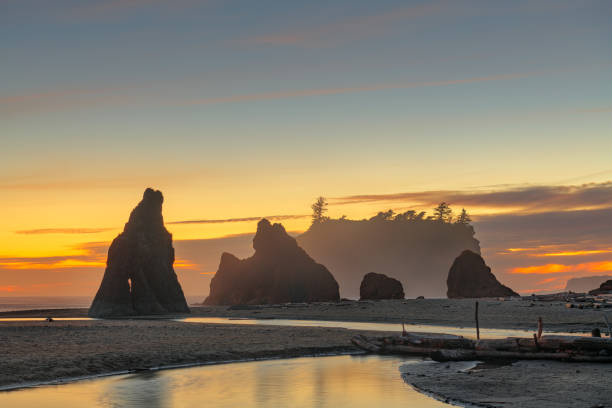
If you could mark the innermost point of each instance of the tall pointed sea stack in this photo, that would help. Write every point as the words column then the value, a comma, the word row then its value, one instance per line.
column 279, row 272
column 139, row 277
column 470, row 277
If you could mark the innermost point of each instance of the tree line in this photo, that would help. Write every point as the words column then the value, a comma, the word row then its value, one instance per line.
column 441, row 213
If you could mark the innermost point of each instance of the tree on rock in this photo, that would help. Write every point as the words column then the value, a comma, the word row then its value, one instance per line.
column 319, row 208
column 464, row 218
column 443, row 212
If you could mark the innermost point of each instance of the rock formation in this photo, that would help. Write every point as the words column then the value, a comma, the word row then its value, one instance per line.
column 139, row 277
column 415, row 252
column 376, row 286
column 604, row 288
column 585, row 283
column 279, row 272
column 470, row 277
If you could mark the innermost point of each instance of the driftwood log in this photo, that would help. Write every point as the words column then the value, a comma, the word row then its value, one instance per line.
column 446, row 347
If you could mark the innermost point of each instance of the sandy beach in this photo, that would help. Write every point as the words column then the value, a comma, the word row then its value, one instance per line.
column 39, row 351
column 498, row 314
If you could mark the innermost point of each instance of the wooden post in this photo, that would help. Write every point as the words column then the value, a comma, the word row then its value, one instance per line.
column 403, row 329
column 477, row 326
column 540, row 327
column 608, row 324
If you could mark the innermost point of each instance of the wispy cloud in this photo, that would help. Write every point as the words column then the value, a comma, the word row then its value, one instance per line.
column 350, row 28
column 244, row 219
column 527, row 199
column 59, row 100
column 354, row 89
column 63, row 231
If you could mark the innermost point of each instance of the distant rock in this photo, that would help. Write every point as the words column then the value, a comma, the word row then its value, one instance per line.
column 376, row 286
column 470, row 277
column 586, row 283
column 139, row 277
column 279, row 272
column 604, row 288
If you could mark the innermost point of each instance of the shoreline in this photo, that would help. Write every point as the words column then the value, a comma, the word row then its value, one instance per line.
column 36, row 352
column 67, row 380
column 494, row 314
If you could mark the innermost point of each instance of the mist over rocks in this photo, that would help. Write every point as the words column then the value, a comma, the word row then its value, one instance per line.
column 470, row 277
column 376, row 286
column 416, row 252
column 604, row 288
column 278, row 272
column 585, row 283
column 139, row 278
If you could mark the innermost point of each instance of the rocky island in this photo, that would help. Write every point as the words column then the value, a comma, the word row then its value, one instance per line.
column 279, row 272
column 139, row 278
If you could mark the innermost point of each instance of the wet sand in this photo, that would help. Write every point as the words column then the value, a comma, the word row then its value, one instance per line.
column 514, row 314
column 523, row 384
column 41, row 351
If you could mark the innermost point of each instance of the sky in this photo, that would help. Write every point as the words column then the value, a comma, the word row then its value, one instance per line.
column 240, row 109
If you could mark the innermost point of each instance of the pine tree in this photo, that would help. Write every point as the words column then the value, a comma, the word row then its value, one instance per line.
column 318, row 210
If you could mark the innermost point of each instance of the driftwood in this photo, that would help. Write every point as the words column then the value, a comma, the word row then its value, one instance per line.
column 456, row 348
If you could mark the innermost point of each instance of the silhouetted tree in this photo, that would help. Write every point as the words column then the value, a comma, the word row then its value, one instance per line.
column 443, row 212
column 318, row 210
column 464, row 218
column 383, row 216
column 420, row 215
column 406, row 216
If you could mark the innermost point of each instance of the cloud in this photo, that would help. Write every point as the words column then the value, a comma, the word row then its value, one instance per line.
column 590, row 267
column 526, row 199
column 54, row 101
column 348, row 29
column 226, row 220
column 63, row 231
column 362, row 88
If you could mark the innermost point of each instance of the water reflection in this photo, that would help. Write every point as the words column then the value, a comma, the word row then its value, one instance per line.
column 324, row 382
column 392, row 327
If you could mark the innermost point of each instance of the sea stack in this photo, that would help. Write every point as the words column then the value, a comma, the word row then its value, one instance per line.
column 139, row 277
column 603, row 289
column 377, row 286
column 470, row 277
column 279, row 272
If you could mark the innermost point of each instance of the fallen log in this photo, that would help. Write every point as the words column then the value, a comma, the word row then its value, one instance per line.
column 457, row 348
column 471, row 355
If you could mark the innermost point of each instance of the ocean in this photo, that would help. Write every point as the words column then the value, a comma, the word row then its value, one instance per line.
column 12, row 303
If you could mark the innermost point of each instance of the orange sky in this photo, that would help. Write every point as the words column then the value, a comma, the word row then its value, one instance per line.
column 57, row 244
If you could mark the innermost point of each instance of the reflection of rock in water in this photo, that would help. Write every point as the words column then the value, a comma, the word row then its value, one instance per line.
column 149, row 389
column 470, row 277
column 139, row 277
column 279, row 271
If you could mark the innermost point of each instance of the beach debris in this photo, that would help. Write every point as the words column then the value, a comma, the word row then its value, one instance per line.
column 477, row 325
column 139, row 278
column 49, row 319
column 447, row 347
column 470, row 277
